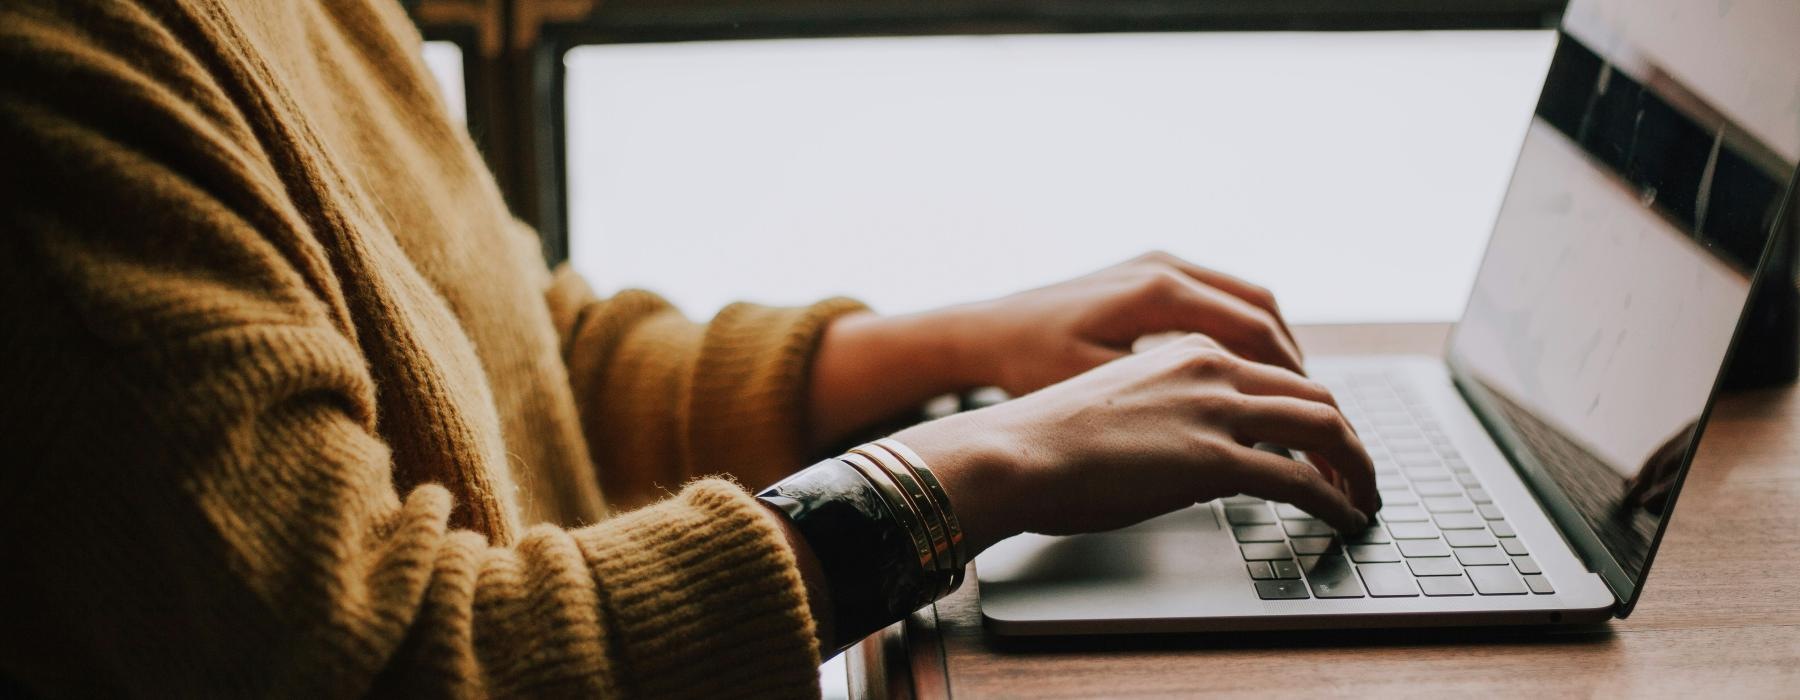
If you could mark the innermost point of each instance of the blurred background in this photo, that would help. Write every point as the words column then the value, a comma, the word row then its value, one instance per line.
column 1348, row 154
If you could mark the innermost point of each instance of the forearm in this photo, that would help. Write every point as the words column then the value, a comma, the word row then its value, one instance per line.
column 872, row 368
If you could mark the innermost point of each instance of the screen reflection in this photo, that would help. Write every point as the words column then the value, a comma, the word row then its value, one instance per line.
column 1645, row 193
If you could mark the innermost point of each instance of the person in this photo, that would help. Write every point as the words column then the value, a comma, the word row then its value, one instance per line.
column 295, row 407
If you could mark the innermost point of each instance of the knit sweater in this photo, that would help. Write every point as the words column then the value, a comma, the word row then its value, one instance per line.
column 294, row 407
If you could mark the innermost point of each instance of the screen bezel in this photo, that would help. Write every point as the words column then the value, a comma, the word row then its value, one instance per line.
column 1557, row 504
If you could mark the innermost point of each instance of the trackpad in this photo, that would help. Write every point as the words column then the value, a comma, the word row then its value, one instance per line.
column 1178, row 544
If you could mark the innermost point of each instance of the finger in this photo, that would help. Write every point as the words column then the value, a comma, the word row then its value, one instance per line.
column 1264, row 380
column 1156, row 340
column 1320, row 431
column 1253, row 331
column 1244, row 329
column 1252, row 294
column 1264, row 475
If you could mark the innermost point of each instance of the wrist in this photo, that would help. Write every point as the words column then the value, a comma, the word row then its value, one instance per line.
column 946, row 350
column 975, row 465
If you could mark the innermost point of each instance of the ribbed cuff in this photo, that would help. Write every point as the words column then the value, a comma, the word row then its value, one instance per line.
column 748, row 407
column 704, row 598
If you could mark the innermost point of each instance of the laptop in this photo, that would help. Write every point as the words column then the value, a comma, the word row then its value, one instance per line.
column 1528, row 473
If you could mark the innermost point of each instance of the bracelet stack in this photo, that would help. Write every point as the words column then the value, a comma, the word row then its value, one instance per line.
column 881, row 526
column 924, row 502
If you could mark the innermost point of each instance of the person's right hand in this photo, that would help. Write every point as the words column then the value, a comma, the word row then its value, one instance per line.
column 1145, row 435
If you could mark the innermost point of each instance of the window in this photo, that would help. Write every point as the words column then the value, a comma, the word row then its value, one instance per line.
column 445, row 61
column 1356, row 173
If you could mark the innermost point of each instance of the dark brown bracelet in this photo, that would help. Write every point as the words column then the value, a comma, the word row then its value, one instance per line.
column 869, row 558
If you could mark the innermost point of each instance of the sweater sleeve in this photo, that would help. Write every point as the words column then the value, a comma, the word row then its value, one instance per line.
column 663, row 398
column 198, row 498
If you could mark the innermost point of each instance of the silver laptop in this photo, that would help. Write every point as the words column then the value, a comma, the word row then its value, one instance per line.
column 1527, row 474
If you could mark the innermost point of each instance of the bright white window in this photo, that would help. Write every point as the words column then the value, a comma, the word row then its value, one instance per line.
column 444, row 60
column 1356, row 174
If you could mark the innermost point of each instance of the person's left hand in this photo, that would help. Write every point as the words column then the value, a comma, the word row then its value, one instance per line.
column 1033, row 339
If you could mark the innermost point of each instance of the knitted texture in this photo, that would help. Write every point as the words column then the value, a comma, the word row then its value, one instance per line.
column 294, row 407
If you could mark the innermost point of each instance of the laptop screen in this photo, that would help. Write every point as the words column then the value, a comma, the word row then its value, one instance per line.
column 1650, row 180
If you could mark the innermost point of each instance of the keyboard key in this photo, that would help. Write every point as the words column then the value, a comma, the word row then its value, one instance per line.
column 1367, row 553
column 1446, row 585
column 1513, row 546
column 1389, row 417
column 1459, row 521
column 1428, row 474
column 1469, row 538
column 1388, row 580
column 1260, row 570
column 1468, row 479
column 1539, row 584
column 1502, row 528
column 1386, row 482
column 1480, row 496
column 1373, row 535
column 1424, row 548
column 1307, row 528
column 1526, row 565
column 1288, row 512
column 1448, row 504
column 1312, row 545
column 1249, row 515
column 1285, row 569
column 1403, row 514
column 1490, row 511
column 1259, row 533
column 1496, row 580
column 1332, row 577
column 1398, row 497
column 1413, row 531
column 1434, row 566
column 1481, row 556
column 1402, row 432
column 1437, row 488
column 1416, row 461
column 1265, row 551
column 1401, row 447
column 1308, row 561
column 1281, row 590
column 1242, row 499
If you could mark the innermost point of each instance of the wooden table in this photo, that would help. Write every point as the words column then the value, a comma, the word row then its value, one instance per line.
column 1720, row 615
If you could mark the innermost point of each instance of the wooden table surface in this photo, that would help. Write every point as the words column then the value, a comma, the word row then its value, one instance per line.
column 1719, row 617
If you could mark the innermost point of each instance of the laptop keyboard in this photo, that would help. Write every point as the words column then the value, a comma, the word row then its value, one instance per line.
column 1438, row 532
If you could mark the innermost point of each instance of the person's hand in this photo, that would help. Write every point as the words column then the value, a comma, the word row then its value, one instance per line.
column 1144, row 435
column 1030, row 340
column 1650, row 488
column 870, row 368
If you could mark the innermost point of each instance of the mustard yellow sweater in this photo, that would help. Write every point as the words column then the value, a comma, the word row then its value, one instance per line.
column 292, row 406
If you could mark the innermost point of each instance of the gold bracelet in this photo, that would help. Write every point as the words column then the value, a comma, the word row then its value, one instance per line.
column 914, row 502
column 949, row 562
column 915, row 465
column 944, row 565
column 959, row 555
column 896, row 501
column 952, row 527
column 916, row 497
